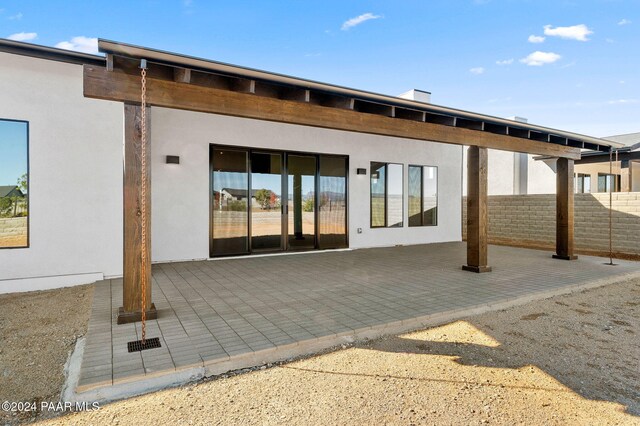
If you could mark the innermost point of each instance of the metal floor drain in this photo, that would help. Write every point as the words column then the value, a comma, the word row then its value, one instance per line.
column 138, row 346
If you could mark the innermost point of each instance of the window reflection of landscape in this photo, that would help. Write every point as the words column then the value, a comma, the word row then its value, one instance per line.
column 14, row 184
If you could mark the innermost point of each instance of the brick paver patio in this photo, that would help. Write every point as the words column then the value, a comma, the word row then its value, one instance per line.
column 212, row 312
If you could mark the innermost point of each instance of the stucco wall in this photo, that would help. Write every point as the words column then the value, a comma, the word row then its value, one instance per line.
column 75, row 155
column 180, row 193
column 75, row 165
column 530, row 219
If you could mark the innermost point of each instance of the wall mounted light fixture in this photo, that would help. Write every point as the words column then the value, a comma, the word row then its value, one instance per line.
column 361, row 171
column 173, row 159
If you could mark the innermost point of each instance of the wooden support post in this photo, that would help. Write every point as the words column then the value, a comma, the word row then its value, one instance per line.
column 131, row 310
column 477, row 210
column 564, row 209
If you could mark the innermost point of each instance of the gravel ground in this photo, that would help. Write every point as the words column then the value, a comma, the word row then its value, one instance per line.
column 571, row 359
column 37, row 332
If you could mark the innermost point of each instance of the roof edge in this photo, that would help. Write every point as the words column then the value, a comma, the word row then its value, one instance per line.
column 186, row 61
column 49, row 53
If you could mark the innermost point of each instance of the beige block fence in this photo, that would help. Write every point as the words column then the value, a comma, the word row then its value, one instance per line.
column 530, row 220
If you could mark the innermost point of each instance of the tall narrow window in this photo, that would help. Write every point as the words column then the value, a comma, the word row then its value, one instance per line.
column 14, row 184
column 583, row 183
column 423, row 196
column 386, row 195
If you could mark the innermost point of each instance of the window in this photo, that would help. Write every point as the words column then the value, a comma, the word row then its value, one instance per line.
column 14, row 184
column 583, row 183
column 607, row 182
column 423, row 196
column 386, row 195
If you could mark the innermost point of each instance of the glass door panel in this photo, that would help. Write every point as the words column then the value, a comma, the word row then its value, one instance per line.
column 332, row 202
column 301, row 189
column 266, row 201
column 230, row 215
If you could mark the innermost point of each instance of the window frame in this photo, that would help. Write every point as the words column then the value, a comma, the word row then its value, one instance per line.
column 582, row 177
column 386, row 195
column 616, row 178
column 28, row 245
column 422, row 167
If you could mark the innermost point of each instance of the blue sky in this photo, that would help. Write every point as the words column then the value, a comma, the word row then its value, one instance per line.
column 13, row 151
column 477, row 55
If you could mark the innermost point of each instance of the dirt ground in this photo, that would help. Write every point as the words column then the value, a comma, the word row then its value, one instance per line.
column 571, row 359
column 37, row 332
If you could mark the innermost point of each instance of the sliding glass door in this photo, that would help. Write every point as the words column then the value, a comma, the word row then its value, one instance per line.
column 301, row 172
column 230, row 215
column 266, row 201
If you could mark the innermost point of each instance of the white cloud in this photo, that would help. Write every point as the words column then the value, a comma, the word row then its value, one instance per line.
column 624, row 22
column 623, row 101
column 23, row 36
column 477, row 70
column 350, row 23
column 537, row 58
column 575, row 32
column 505, row 62
column 16, row 17
column 535, row 39
column 80, row 44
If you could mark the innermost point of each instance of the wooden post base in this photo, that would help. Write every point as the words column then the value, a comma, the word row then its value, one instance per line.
column 128, row 317
column 476, row 269
column 564, row 257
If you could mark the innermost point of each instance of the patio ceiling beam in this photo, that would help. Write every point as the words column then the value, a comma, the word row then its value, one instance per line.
column 215, row 94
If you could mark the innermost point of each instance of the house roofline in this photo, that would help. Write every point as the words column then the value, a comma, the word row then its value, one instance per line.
column 50, row 53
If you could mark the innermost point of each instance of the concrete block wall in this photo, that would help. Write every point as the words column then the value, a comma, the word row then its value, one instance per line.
column 530, row 220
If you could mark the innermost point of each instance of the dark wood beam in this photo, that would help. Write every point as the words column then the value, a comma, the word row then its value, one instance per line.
column 131, row 309
column 564, row 209
column 477, row 163
column 116, row 86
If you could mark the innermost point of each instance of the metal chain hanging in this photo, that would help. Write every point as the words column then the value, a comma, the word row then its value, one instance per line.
column 143, row 197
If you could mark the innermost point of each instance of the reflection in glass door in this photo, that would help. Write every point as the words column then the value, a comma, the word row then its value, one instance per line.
column 229, row 202
column 266, row 201
column 332, row 202
column 272, row 201
column 301, row 183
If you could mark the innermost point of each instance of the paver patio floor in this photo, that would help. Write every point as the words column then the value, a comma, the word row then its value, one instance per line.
column 210, row 312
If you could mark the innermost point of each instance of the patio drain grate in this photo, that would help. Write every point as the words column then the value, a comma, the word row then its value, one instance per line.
column 138, row 346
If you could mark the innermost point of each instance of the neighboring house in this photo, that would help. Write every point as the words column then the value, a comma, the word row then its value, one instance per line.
column 387, row 162
column 10, row 191
column 13, row 200
column 512, row 173
column 595, row 174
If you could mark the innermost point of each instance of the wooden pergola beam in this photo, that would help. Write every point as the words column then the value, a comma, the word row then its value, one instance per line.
column 123, row 87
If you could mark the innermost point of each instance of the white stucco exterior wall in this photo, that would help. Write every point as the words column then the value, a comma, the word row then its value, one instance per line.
column 542, row 176
column 75, row 176
column 180, row 193
column 75, row 156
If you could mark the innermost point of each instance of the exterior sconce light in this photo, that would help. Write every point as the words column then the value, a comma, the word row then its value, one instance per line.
column 173, row 159
column 361, row 171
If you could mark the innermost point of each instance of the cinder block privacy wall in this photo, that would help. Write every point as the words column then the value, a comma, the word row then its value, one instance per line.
column 530, row 220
